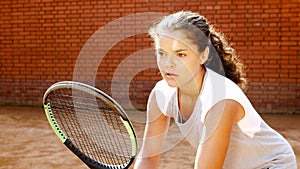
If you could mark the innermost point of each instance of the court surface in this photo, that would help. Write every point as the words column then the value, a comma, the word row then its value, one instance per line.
column 28, row 142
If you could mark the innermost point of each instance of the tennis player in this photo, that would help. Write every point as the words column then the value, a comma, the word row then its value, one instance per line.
column 202, row 89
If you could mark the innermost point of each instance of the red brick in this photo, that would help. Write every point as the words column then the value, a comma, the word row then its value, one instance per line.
column 265, row 34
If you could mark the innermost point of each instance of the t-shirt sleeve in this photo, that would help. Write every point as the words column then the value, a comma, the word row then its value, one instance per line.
column 164, row 94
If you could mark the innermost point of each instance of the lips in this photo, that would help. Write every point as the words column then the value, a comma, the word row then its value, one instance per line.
column 170, row 75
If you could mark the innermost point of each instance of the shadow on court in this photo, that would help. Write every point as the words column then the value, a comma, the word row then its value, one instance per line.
column 28, row 142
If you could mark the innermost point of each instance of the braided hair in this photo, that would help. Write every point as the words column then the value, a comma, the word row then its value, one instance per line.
column 222, row 58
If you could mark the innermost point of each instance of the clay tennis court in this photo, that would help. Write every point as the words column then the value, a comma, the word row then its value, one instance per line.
column 28, row 142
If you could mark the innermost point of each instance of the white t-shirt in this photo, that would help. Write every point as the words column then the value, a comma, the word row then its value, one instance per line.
column 253, row 143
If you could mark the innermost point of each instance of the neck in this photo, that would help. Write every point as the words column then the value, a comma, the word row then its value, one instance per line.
column 193, row 87
column 189, row 93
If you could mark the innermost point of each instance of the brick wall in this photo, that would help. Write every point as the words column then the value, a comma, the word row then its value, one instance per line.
column 41, row 41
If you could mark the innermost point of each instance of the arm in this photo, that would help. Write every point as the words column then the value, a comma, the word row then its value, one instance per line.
column 212, row 151
column 155, row 131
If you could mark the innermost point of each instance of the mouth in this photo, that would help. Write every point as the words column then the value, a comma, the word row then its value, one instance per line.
column 170, row 75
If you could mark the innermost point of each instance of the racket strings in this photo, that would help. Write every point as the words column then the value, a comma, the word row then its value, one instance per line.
column 92, row 126
column 68, row 121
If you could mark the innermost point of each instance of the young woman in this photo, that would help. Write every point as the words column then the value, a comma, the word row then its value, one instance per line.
column 201, row 90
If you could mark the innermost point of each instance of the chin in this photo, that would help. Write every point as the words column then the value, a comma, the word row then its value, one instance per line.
column 172, row 83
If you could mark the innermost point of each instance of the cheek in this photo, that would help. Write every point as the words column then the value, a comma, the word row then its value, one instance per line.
column 195, row 62
column 158, row 62
column 191, row 68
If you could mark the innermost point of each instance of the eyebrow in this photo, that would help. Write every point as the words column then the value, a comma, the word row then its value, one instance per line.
column 177, row 51
column 180, row 50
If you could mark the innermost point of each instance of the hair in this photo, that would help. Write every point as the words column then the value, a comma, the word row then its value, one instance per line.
column 204, row 35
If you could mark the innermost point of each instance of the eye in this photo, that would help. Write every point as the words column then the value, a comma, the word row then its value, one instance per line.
column 181, row 55
column 160, row 53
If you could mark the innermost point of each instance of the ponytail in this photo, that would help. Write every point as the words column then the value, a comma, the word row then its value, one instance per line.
column 232, row 66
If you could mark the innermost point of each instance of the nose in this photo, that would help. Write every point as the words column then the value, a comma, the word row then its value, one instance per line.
column 169, row 61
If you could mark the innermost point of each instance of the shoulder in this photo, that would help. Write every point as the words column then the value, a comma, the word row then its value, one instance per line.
column 162, row 89
column 221, row 94
column 162, row 85
column 234, row 97
column 217, row 132
column 229, row 111
column 162, row 95
column 232, row 111
column 221, row 88
column 221, row 117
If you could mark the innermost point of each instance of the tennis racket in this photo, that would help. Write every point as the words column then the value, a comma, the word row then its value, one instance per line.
column 91, row 124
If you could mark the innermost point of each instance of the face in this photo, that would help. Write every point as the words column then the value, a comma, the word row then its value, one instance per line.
column 178, row 58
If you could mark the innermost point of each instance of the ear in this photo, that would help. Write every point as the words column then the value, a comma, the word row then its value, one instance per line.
column 204, row 55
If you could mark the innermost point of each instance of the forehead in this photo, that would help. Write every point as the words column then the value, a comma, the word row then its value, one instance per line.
column 175, row 40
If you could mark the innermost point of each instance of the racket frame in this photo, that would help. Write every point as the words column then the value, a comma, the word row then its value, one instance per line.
column 91, row 163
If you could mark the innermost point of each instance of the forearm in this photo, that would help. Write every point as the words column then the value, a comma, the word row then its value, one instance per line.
column 155, row 132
